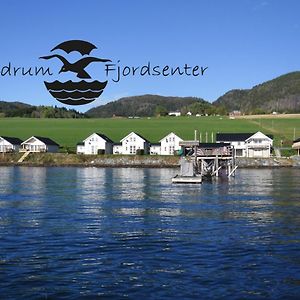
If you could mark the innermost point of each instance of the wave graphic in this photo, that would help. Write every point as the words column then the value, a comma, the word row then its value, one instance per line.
column 75, row 93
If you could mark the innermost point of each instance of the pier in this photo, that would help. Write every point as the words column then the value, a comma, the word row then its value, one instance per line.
column 202, row 160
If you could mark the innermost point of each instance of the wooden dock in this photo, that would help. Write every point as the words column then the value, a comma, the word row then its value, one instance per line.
column 205, row 159
column 187, row 179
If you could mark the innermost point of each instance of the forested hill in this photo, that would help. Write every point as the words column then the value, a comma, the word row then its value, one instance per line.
column 148, row 105
column 281, row 94
column 19, row 109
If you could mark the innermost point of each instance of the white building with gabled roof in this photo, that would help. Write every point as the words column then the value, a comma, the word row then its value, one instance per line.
column 248, row 144
column 39, row 144
column 9, row 144
column 133, row 142
column 94, row 144
column 169, row 144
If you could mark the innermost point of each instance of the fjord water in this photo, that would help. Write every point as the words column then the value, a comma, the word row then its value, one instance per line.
column 88, row 233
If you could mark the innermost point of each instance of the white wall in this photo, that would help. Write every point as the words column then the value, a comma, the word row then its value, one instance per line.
column 155, row 149
column 7, row 147
column 34, row 145
column 117, row 149
column 80, row 149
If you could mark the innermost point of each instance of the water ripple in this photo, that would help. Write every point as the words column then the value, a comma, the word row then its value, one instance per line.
column 86, row 233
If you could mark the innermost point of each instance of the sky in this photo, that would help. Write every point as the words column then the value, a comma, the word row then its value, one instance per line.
column 241, row 42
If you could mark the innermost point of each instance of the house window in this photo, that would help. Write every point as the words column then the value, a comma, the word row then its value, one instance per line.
column 132, row 150
column 166, row 140
column 239, row 152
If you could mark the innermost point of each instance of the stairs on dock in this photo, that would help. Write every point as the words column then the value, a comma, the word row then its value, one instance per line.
column 277, row 152
column 23, row 157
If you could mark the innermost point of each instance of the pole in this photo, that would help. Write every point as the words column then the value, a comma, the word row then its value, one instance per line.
column 206, row 136
column 294, row 133
column 212, row 137
column 3, row 147
column 200, row 137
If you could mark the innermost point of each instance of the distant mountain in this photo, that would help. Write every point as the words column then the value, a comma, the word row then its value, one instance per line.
column 281, row 94
column 19, row 109
column 146, row 105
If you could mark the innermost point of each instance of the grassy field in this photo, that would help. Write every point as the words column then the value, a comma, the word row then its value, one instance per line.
column 67, row 132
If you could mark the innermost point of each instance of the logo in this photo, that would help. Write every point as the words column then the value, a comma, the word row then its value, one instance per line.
column 76, row 92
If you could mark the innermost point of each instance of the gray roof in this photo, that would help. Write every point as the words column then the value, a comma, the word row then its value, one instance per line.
column 213, row 145
column 12, row 140
column 107, row 139
column 46, row 140
column 232, row 137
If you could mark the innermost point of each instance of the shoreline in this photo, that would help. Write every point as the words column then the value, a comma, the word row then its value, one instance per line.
column 128, row 161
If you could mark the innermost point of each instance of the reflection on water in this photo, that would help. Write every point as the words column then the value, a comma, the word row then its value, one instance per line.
column 130, row 233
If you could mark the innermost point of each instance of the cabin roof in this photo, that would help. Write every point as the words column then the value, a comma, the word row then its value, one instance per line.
column 12, row 140
column 232, row 137
column 45, row 140
column 297, row 140
column 137, row 135
column 106, row 138
column 171, row 133
column 213, row 145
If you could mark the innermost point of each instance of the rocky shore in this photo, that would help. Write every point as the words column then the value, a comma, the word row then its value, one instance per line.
column 63, row 159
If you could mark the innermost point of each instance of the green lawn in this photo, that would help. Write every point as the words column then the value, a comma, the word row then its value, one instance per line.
column 67, row 132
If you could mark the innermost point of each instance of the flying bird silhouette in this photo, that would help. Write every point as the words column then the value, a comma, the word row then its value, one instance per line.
column 78, row 66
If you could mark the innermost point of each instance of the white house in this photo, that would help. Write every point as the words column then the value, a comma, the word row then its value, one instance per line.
column 9, row 144
column 94, row 144
column 248, row 144
column 174, row 113
column 169, row 144
column 133, row 142
column 39, row 144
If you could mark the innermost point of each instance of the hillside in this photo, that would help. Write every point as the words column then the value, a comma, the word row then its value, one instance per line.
column 19, row 109
column 281, row 94
column 147, row 105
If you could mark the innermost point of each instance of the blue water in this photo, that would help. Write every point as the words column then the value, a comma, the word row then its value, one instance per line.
column 92, row 233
